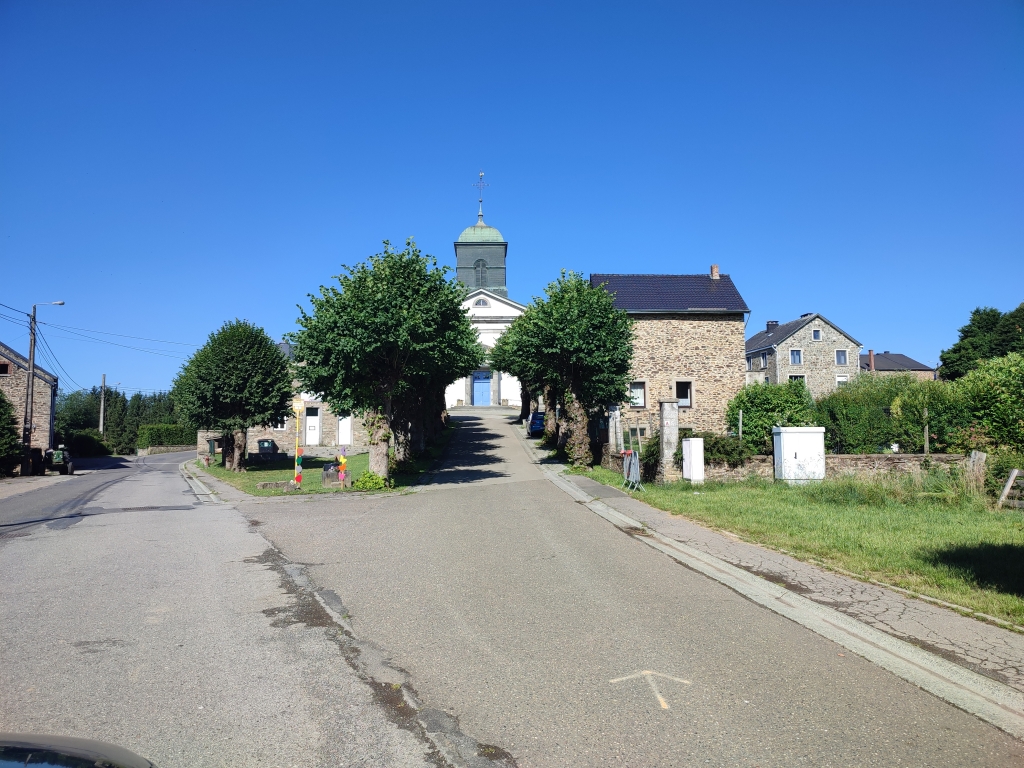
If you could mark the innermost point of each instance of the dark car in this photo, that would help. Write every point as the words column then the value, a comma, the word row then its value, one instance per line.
column 536, row 426
column 66, row 752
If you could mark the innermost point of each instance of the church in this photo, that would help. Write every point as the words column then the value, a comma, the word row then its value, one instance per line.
column 480, row 264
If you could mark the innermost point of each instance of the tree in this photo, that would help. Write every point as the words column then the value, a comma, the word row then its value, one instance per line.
column 995, row 395
column 11, row 447
column 584, row 349
column 769, row 405
column 387, row 342
column 517, row 352
column 238, row 379
column 990, row 333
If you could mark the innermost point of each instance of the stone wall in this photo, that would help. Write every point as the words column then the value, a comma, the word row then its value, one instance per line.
column 818, row 366
column 836, row 465
column 155, row 449
column 14, row 386
column 705, row 350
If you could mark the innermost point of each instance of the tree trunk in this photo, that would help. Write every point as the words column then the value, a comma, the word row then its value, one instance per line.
column 550, row 419
column 379, row 435
column 577, row 436
column 526, row 407
column 238, row 450
column 227, row 450
column 417, row 437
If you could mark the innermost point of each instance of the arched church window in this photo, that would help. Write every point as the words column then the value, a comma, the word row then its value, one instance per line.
column 481, row 303
column 481, row 273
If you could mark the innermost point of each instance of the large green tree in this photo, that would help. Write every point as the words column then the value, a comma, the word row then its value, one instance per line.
column 11, row 447
column 238, row 379
column 517, row 352
column 990, row 333
column 584, row 352
column 387, row 341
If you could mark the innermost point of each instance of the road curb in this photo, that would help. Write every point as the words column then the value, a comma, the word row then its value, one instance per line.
column 987, row 699
column 199, row 488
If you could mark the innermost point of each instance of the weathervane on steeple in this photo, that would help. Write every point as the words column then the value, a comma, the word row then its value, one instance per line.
column 480, row 186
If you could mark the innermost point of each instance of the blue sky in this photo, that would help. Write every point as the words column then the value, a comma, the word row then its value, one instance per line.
column 168, row 166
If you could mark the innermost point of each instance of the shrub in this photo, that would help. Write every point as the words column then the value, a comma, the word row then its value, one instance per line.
column 11, row 447
column 650, row 456
column 769, row 405
column 856, row 417
column 86, row 443
column 165, row 434
column 994, row 394
column 369, row 481
column 998, row 466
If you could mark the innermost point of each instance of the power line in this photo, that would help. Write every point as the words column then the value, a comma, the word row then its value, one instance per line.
column 120, row 335
column 82, row 337
column 53, row 355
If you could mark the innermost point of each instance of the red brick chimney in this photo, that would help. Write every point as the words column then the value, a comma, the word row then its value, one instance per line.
column 714, row 271
column 871, row 359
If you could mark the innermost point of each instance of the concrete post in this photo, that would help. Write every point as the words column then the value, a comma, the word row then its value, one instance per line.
column 668, row 471
column 614, row 430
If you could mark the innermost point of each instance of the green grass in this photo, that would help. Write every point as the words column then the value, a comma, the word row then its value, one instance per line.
column 285, row 470
column 928, row 534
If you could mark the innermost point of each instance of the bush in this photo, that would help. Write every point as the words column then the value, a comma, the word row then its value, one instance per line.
column 769, row 405
column 11, row 447
column 856, row 417
column 165, row 434
column 718, row 449
column 998, row 466
column 650, row 457
column 369, row 481
column 86, row 443
column 994, row 394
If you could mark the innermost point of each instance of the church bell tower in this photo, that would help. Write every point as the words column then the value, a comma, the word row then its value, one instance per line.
column 480, row 254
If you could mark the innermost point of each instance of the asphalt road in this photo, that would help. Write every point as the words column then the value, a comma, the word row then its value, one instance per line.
column 133, row 614
column 522, row 615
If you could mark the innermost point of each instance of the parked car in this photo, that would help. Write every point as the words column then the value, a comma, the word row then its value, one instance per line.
column 536, row 427
column 65, row 751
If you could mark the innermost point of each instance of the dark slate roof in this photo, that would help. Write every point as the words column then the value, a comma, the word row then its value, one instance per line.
column 764, row 339
column 890, row 361
column 672, row 293
column 286, row 349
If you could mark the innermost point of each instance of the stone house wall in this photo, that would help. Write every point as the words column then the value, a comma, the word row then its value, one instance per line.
column 14, row 385
column 818, row 366
column 703, row 349
column 285, row 438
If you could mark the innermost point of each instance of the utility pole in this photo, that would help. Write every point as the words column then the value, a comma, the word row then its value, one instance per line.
column 103, row 395
column 26, row 433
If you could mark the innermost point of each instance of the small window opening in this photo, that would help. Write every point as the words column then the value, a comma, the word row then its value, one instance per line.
column 638, row 394
column 684, row 391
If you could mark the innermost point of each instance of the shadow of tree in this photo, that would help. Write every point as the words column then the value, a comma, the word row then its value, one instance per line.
column 992, row 566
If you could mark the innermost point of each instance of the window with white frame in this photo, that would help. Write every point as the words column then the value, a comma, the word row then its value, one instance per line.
column 638, row 394
column 840, row 357
column 750, row 364
column 796, row 357
column 797, row 377
column 684, row 394
column 481, row 303
column 816, row 334
column 841, row 380
column 764, row 360
column 279, row 425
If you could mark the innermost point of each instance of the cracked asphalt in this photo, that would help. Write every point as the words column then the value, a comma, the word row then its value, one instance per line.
column 484, row 619
column 513, row 609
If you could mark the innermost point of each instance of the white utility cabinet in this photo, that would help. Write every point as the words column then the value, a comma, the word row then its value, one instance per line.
column 799, row 454
column 693, row 459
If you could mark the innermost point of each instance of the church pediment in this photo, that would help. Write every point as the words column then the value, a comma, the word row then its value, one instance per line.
column 482, row 304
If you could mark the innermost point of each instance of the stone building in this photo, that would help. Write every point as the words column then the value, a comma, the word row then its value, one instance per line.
column 480, row 254
column 889, row 363
column 688, row 345
column 14, row 385
column 811, row 349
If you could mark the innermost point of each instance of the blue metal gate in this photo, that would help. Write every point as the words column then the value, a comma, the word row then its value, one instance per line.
column 481, row 388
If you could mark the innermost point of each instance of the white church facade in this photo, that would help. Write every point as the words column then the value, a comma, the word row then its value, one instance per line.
column 480, row 255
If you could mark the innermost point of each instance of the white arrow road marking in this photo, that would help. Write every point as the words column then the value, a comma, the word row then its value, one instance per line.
column 649, row 675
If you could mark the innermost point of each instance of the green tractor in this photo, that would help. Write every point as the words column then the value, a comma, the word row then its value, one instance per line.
column 60, row 460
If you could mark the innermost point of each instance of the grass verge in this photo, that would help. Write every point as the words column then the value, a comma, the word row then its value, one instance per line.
column 277, row 471
column 925, row 534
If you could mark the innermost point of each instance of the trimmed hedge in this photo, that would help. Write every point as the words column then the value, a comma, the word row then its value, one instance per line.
column 165, row 434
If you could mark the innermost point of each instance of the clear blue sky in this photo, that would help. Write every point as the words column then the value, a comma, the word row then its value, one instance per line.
column 167, row 166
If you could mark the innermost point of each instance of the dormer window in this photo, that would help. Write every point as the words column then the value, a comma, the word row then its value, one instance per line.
column 481, row 303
